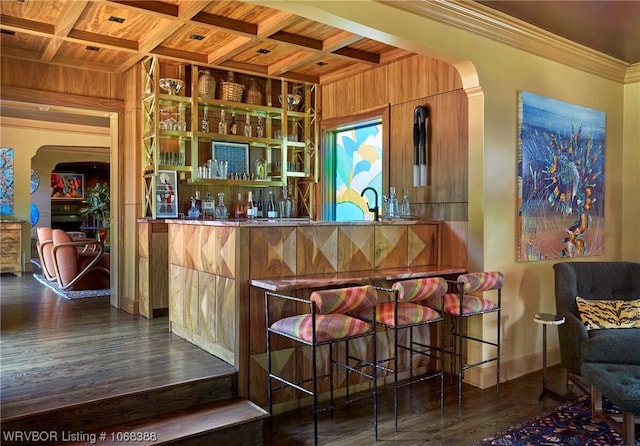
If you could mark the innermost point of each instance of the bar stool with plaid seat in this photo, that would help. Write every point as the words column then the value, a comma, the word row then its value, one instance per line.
column 471, row 305
column 404, row 313
column 325, row 324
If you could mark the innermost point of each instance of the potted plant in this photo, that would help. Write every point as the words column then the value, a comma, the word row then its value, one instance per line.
column 98, row 199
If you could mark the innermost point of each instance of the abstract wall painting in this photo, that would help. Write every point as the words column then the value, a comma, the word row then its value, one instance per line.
column 6, row 181
column 67, row 186
column 561, row 163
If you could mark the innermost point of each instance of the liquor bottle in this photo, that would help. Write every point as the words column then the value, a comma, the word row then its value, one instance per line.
column 222, row 125
column 272, row 210
column 406, row 206
column 233, row 126
column 252, row 210
column 285, row 204
column 392, row 209
column 205, row 121
column 209, row 206
column 193, row 212
column 239, row 211
column 259, row 128
column 260, row 206
column 247, row 126
column 221, row 209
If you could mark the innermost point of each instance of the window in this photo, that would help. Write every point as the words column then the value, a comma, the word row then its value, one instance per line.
column 354, row 161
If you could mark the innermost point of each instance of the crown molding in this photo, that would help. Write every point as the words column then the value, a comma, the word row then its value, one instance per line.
column 495, row 25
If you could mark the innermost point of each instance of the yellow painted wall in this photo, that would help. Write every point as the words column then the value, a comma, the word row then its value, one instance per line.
column 26, row 138
column 502, row 71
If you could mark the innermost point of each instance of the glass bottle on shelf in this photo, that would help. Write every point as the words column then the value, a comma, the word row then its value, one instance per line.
column 222, row 125
column 272, row 210
column 260, row 206
column 205, row 121
column 193, row 213
column 239, row 210
column 285, row 204
column 406, row 206
column 259, row 128
column 247, row 126
column 209, row 206
column 392, row 209
column 221, row 209
column 252, row 210
column 233, row 125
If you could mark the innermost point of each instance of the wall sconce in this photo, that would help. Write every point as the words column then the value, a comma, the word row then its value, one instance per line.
column 420, row 158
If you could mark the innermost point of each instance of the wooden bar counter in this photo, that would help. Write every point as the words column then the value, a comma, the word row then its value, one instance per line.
column 213, row 265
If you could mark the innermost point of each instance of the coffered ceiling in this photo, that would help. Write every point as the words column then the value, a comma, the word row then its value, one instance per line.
column 113, row 35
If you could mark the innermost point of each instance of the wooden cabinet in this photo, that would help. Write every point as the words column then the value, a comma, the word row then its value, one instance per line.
column 179, row 132
column 11, row 246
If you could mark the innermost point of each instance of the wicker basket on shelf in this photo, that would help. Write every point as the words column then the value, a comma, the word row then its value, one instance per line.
column 230, row 90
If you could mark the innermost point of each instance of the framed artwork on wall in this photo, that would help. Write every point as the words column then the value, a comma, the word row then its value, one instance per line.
column 236, row 154
column 6, row 181
column 561, row 155
column 67, row 186
column 167, row 194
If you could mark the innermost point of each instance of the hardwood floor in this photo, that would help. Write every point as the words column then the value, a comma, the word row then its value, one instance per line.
column 55, row 352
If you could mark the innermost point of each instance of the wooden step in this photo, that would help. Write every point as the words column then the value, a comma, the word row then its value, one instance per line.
column 230, row 423
column 117, row 409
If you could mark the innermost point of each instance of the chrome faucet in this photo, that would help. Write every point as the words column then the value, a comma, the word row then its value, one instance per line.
column 373, row 209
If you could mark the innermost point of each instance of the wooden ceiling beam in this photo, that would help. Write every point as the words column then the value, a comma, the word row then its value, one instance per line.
column 340, row 40
column 226, row 24
column 115, row 43
column 70, row 14
column 179, row 55
column 358, row 55
column 304, row 43
column 26, row 26
column 160, row 9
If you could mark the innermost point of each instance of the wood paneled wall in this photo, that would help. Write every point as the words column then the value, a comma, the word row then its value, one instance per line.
column 402, row 86
column 59, row 79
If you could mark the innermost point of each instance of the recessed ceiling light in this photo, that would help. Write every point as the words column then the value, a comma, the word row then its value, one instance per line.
column 263, row 51
column 93, row 48
column 322, row 63
column 116, row 19
column 6, row 31
column 196, row 37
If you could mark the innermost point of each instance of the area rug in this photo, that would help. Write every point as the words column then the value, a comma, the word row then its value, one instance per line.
column 567, row 425
column 71, row 294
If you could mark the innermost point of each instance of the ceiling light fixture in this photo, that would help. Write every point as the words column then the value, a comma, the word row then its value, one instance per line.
column 93, row 48
column 116, row 19
column 9, row 33
column 263, row 51
column 322, row 63
column 196, row 37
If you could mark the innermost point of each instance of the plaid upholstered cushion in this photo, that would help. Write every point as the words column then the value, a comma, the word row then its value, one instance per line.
column 328, row 327
column 481, row 281
column 419, row 289
column 408, row 313
column 471, row 304
column 343, row 300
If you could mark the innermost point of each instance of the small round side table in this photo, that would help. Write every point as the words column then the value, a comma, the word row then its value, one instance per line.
column 547, row 319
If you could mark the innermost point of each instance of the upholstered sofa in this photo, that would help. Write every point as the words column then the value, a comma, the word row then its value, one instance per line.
column 593, row 282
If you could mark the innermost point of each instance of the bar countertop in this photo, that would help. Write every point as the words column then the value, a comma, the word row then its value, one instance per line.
column 354, row 277
column 286, row 222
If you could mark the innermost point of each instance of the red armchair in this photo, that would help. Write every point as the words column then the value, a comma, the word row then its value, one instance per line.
column 78, row 270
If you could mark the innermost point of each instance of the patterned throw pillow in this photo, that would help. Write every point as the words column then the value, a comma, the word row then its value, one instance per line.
column 609, row 313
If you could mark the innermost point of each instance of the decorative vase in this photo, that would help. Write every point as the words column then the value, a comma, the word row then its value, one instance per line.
column 253, row 95
column 206, row 85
